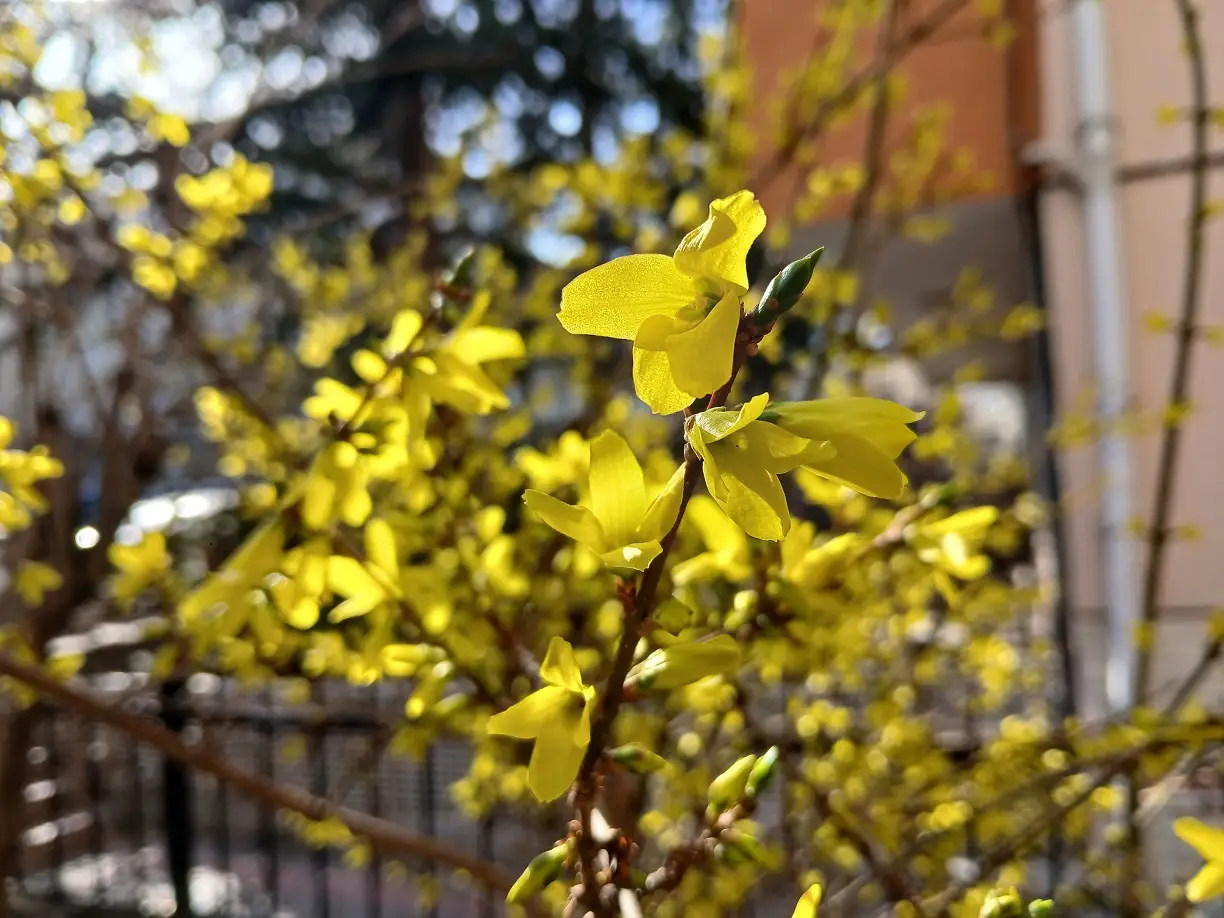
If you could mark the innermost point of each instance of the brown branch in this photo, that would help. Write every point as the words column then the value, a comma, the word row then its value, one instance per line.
column 384, row 836
column 1171, row 439
column 1170, row 444
column 639, row 604
column 873, row 153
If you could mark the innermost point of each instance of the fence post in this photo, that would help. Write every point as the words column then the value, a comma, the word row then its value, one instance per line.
column 176, row 804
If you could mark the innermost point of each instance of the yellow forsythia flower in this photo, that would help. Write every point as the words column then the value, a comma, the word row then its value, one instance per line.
column 1208, row 883
column 557, row 717
column 139, row 566
column 853, row 441
column 681, row 313
column 955, row 543
column 619, row 526
column 742, row 458
column 34, row 580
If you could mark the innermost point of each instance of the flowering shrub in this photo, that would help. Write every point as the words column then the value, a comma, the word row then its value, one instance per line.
column 737, row 606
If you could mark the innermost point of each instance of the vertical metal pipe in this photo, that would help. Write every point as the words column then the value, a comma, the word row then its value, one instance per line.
column 1107, row 297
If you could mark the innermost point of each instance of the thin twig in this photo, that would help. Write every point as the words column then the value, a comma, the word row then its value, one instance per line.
column 1171, row 439
column 873, row 153
column 1170, row 444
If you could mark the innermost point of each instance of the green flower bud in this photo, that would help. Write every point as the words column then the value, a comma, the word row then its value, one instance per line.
column 638, row 759
column 543, row 869
column 762, row 772
column 682, row 664
column 462, row 271
column 1041, row 908
column 729, row 786
column 785, row 289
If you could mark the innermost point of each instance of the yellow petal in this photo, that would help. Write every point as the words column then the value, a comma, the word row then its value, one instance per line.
column 356, row 505
column 876, row 419
column 750, row 495
column 582, row 732
column 778, row 451
column 661, row 514
column 355, row 607
column 319, row 497
column 721, row 422
column 614, row 299
column 684, row 663
column 559, row 667
column 652, row 379
column 1208, row 883
column 1206, row 840
column 578, row 523
column 859, row 465
column 617, row 489
column 966, row 520
column 462, row 385
column 700, row 358
column 557, row 756
column 404, row 328
column 636, row 556
column 485, row 343
column 303, row 614
column 380, row 548
column 808, row 902
column 655, row 332
column 527, row 718
column 717, row 530
column 718, row 249
column 352, row 579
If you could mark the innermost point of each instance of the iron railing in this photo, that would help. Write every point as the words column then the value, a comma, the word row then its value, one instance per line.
column 117, row 829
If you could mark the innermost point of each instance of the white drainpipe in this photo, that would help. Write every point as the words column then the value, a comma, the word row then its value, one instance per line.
column 1107, row 297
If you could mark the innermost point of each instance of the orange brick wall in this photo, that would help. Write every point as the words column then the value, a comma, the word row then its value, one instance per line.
column 991, row 92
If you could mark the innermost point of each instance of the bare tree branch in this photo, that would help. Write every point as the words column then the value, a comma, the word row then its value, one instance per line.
column 384, row 836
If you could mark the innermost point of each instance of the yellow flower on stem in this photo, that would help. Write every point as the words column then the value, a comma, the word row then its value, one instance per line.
column 557, row 717
column 853, row 441
column 682, row 313
column 742, row 458
column 1208, row 883
column 619, row 525
column 954, row 544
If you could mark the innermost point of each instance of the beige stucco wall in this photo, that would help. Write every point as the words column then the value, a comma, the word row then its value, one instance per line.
column 1147, row 71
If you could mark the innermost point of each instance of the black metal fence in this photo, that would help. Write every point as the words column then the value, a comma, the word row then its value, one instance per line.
column 119, row 830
